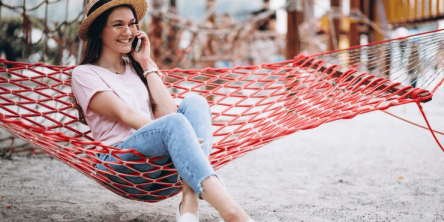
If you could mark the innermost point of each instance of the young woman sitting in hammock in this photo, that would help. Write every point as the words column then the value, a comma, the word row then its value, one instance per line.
column 126, row 105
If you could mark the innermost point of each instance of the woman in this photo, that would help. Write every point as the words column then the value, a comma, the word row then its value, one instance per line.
column 126, row 105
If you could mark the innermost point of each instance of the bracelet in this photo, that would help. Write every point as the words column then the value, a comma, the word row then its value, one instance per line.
column 151, row 70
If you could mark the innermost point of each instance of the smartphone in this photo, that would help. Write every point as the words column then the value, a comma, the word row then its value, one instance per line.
column 136, row 44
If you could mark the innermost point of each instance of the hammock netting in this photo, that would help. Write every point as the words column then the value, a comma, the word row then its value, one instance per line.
column 251, row 106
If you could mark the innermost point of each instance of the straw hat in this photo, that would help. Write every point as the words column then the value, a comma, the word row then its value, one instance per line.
column 97, row 7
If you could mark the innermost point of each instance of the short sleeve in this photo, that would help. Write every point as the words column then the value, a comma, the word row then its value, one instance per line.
column 85, row 84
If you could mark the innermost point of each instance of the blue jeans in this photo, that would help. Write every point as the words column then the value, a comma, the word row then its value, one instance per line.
column 174, row 137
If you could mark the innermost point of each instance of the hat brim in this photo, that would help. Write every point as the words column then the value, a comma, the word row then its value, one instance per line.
column 140, row 6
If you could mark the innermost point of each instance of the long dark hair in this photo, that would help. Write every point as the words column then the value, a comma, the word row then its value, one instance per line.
column 92, row 53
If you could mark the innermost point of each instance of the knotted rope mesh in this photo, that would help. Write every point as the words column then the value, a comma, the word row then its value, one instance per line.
column 417, row 59
column 251, row 106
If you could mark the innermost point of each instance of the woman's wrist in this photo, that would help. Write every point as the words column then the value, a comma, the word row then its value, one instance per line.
column 151, row 67
column 150, row 71
column 148, row 65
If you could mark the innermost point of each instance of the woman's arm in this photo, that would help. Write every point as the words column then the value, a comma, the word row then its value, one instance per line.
column 109, row 105
column 160, row 95
column 158, row 92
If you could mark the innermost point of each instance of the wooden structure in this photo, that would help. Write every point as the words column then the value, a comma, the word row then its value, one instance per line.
column 354, row 25
column 405, row 13
column 335, row 24
column 393, row 14
column 295, row 17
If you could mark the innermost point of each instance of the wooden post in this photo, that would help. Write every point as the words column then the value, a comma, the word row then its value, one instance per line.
column 391, row 9
column 403, row 12
column 423, row 9
column 365, row 9
column 407, row 11
column 415, row 10
column 397, row 10
column 295, row 17
column 441, row 7
column 400, row 11
column 355, row 38
column 335, row 28
column 371, row 10
column 431, row 15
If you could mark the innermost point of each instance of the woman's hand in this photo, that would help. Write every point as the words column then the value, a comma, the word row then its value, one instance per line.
column 143, row 56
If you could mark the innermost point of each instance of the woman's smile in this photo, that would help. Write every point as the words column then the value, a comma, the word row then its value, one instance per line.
column 124, row 40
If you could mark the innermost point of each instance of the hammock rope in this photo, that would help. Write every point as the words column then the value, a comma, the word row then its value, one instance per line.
column 430, row 128
column 251, row 106
column 393, row 58
column 407, row 121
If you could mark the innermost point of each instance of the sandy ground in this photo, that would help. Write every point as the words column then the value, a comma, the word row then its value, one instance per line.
column 370, row 168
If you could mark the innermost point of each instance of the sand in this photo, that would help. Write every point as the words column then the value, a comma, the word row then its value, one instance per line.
column 370, row 168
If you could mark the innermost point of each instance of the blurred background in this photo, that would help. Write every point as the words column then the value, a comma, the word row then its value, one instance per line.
column 219, row 33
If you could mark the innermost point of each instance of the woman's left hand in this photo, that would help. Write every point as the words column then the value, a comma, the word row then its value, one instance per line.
column 143, row 56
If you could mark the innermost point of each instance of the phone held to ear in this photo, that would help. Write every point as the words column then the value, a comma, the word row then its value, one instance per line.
column 136, row 44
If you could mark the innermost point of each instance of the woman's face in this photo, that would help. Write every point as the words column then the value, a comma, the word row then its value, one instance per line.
column 111, row 38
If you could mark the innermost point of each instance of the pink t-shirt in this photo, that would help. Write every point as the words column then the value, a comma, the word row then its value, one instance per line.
column 87, row 80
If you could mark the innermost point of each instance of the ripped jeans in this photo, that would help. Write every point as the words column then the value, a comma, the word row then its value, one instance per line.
column 174, row 136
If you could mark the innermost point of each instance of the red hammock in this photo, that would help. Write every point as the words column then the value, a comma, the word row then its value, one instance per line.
column 251, row 106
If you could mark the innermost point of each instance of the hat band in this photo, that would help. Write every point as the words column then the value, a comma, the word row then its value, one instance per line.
column 97, row 5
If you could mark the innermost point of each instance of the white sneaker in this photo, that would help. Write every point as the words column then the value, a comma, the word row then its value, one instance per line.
column 186, row 217
column 250, row 220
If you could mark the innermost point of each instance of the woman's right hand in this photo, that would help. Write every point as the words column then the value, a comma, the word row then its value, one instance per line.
column 143, row 56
